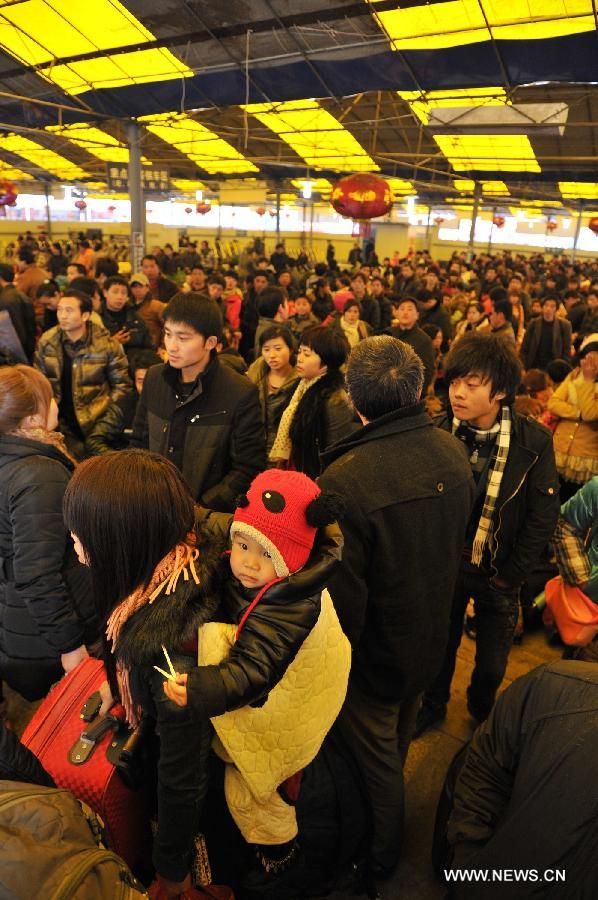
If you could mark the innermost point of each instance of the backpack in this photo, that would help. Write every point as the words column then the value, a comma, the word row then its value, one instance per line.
column 47, row 849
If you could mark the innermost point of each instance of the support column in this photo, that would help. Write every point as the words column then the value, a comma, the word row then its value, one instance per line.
column 48, row 216
column 477, row 193
column 277, row 213
column 133, row 131
column 577, row 231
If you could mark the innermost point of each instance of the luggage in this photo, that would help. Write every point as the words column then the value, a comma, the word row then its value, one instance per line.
column 81, row 756
column 47, row 850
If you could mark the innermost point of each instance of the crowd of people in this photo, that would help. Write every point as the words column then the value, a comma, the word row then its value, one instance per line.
column 269, row 455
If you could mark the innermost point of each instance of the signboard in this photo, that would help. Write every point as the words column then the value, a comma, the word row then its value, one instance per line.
column 137, row 251
column 154, row 179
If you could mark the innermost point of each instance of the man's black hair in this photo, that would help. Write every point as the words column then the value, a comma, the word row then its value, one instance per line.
column 230, row 273
column 558, row 369
column 330, row 345
column 398, row 301
column 197, row 311
column 270, row 300
column 498, row 294
column 216, row 279
column 47, row 289
column 568, row 294
column 7, row 273
column 197, row 266
column 114, row 279
column 489, row 357
column 88, row 286
column 107, row 266
column 384, row 374
column 424, row 295
column 502, row 306
column 145, row 359
column 85, row 304
column 79, row 267
column 552, row 297
column 26, row 255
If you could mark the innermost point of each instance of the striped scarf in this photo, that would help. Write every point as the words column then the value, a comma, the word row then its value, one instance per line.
column 282, row 446
column 484, row 534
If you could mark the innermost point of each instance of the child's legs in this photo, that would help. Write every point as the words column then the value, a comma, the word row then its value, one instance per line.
column 270, row 821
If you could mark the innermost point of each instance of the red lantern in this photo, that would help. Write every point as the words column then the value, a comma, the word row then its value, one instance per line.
column 361, row 196
column 499, row 221
column 593, row 224
column 551, row 225
column 438, row 220
column 111, row 209
column 203, row 208
column 260, row 211
column 188, row 210
column 80, row 205
column 8, row 194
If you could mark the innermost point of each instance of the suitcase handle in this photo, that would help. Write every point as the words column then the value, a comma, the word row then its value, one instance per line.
column 81, row 751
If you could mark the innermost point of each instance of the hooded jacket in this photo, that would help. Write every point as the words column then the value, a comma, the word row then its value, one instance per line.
column 271, row 635
column 215, row 435
column 45, row 608
column 408, row 491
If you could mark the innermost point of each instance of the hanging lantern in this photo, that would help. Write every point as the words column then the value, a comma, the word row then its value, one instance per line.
column 361, row 196
column 593, row 224
column 551, row 225
column 188, row 210
column 203, row 208
column 8, row 194
column 273, row 213
column 438, row 220
column 111, row 209
column 499, row 221
column 260, row 211
column 80, row 205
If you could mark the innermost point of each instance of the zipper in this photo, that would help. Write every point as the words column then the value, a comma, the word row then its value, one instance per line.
column 508, row 500
column 221, row 412
column 52, row 723
column 75, row 876
column 16, row 798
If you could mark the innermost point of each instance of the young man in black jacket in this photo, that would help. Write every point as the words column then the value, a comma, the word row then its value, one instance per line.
column 515, row 511
column 200, row 415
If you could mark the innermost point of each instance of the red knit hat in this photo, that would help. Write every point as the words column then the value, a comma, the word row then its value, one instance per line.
column 282, row 512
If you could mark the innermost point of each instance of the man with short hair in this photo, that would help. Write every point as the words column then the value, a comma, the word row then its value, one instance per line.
column 500, row 324
column 407, row 314
column 199, row 414
column 576, row 308
column 250, row 313
column 123, row 320
column 273, row 309
column 20, row 311
column 370, row 307
column 196, row 279
column 29, row 277
column 161, row 288
column 404, row 528
column 75, row 270
column 516, row 508
column 150, row 310
column 88, row 372
column 546, row 338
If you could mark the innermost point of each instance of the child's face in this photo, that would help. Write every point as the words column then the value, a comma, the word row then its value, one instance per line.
column 302, row 306
column 250, row 563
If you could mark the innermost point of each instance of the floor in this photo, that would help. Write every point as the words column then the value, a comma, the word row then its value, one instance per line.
column 427, row 763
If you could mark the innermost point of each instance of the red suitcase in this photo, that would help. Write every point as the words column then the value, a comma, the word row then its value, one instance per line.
column 71, row 750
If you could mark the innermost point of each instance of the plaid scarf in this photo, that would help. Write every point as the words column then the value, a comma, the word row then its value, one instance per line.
column 484, row 534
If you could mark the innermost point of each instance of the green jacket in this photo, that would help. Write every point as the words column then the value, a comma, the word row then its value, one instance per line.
column 101, row 384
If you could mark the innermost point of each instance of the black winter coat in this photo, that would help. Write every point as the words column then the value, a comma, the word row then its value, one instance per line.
column 408, row 490
column 526, row 795
column 271, row 636
column 182, row 780
column 323, row 417
column 45, row 606
column 527, row 507
column 216, row 435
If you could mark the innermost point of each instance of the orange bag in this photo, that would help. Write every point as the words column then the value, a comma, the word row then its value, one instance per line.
column 573, row 613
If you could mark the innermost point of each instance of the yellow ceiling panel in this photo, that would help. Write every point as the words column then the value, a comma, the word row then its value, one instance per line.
column 11, row 173
column 573, row 190
column 95, row 141
column 467, row 186
column 422, row 103
column 40, row 156
column 38, row 31
column 318, row 185
column 459, row 22
column 488, row 152
column 187, row 184
column 400, row 186
column 198, row 143
column 314, row 134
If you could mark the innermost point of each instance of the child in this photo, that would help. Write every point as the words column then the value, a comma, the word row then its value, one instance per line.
column 287, row 657
column 302, row 318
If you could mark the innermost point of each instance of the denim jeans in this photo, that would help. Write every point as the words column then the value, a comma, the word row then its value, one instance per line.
column 496, row 614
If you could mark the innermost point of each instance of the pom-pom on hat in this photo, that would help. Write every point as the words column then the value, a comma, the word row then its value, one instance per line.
column 282, row 512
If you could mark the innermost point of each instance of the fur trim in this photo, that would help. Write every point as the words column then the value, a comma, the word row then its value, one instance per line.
column 280, row 567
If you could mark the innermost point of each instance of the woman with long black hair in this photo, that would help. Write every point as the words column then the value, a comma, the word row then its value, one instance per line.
column 131, row 518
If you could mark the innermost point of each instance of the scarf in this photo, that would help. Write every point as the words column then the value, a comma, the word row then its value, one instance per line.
column 484, row 534
column 44, row 436
column 351, row 332
column 282, row 446
column 179, row 561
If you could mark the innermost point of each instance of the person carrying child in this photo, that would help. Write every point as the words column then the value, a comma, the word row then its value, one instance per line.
column 274, row 680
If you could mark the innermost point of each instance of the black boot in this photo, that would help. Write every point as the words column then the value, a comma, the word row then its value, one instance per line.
column 429, row 716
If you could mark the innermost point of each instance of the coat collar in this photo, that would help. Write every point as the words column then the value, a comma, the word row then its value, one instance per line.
column 396, row 422
column 202, row 382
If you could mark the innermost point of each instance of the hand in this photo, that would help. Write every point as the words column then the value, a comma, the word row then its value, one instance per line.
column 107, row 698
column 177, row 691
column 71, row 660
column 589, row 366
column 122, row 336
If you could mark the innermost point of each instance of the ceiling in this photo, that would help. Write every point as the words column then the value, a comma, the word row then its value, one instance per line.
column 439, row 95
